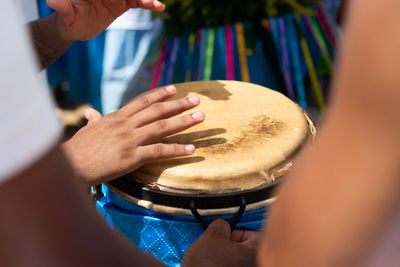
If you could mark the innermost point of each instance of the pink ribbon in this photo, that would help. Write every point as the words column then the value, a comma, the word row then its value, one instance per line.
column 157, row 73
column 230, row 67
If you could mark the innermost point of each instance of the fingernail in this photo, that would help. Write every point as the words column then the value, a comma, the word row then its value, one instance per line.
column 189, row 148
column 87, row 114
column 194, row 99
column 198, row 115
column 170, row 88
column 157, row 3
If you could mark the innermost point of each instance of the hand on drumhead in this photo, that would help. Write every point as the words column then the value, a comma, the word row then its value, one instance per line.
column 219, row 247
column 120, row 142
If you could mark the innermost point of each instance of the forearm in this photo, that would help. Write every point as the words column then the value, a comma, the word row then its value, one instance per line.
column 47, row 220
column 333, row 206
column 47, row 41
column 344, row 190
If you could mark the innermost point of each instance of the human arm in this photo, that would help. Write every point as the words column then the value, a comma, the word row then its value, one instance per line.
column 78, row 20
column 220, row 247
column 118, row 143
column 48, row 220
column 344, row 191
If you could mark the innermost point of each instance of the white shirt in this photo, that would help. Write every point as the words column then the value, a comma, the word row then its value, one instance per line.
column 29, row 126
column 133, row 19
column 29, row 9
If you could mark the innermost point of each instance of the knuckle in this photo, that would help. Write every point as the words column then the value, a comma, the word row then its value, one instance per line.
column 158, row 150
column 183, row 105
column 138, row 3
column 219, row 226
column 161, row 93
column 145, row 101
column 145, row 3
column 112, row 114
column 159, row 108
column 187, row 119
column 177, row 149
column 219, row 223
column 161, row 125
column 119, row 124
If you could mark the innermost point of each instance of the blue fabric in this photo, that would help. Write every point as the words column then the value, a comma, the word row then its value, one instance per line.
column 124, row 53
column 81, row 66
column 165, row 236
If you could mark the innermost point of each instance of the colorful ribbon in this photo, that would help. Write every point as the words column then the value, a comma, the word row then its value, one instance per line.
column 203, row 49
column 196, row 60
column 209, row 54
column 242, row 52
column 316, row 86
column 321, row 15
column 285, row 59
column 157, row 73
column 221, row 52
column 191, row 43
column 296, row 63
column 230, row 64
column 270, row 52
column 172, row 61
column 319, row 39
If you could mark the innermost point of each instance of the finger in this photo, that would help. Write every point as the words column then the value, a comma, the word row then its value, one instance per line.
column 163, row 151
column 147, row 4
column 64, row 8
column 158, row 6
column 243, row 236
column 164, row 110
column 147, row 100
column 92, row 115
column 219, row 228
column 157, row 130
column 115, row 7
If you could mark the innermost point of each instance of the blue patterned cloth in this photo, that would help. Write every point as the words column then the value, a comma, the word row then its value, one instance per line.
column 165, row 236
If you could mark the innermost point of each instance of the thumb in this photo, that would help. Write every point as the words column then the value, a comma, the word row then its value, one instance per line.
column 92, row 115
column 64, row 7
column 220, row 228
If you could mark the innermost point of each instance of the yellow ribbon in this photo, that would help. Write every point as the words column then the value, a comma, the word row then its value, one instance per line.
column 192, row 39
column 242, row 52
column 316, row 86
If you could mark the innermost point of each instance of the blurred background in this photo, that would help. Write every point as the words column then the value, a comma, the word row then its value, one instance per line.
column 286, row 45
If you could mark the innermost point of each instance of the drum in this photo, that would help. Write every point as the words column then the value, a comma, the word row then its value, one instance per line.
column 248, row 140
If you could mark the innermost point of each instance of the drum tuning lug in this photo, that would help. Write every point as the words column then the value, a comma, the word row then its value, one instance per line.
column 197, row 216
column 96, row 193
column 234, row 222
column 239, row 213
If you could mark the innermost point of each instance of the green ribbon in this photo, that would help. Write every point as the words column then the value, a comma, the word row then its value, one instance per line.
column 209, row 54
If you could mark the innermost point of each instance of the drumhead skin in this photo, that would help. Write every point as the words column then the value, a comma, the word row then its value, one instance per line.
column 248, row 138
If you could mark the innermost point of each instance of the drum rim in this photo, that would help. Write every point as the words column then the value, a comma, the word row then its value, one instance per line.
column 201, row 201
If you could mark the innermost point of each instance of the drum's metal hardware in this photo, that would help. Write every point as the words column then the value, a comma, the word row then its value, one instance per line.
column 239, row 213
column 96, row 192
column 236, row 219
column 197, row 215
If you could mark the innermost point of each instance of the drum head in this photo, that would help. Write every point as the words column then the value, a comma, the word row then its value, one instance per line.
column 248, row 138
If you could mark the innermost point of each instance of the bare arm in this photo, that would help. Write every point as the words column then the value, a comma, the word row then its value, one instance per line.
column 48, row 220
column 345, row 188
column 78, row 20
column 47, row 41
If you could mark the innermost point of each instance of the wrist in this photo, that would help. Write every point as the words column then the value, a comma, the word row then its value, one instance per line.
column 48, row 40
column 57, row 29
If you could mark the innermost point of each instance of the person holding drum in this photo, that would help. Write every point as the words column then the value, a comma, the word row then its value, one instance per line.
column 340, row 206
